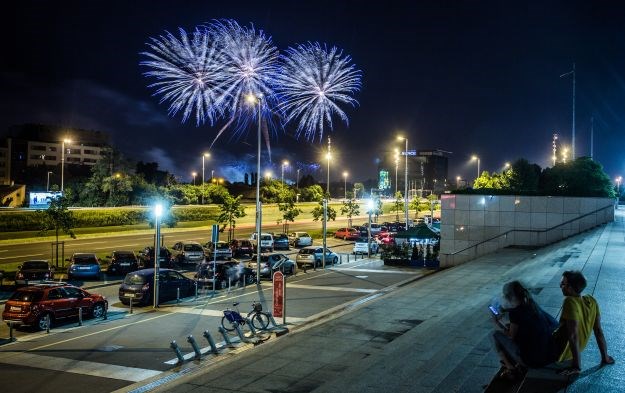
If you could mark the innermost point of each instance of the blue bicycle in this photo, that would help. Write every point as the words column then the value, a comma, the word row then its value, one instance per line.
column 258, row 318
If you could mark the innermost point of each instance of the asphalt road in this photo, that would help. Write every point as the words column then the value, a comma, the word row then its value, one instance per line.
column 105, row 355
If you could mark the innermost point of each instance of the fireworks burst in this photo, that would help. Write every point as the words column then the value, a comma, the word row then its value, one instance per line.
column 188, row 72
column 312, row 83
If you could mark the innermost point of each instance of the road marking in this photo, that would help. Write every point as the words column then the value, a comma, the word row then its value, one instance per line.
column 353, row 269
column 83, row 367
column 116, row 247
column 215, row 313
column 22, row 256
column 341, row 289
column 82, row 244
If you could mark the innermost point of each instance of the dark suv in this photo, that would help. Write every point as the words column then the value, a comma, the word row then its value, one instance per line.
column 146, row 258
column 30, row 272
column 123, row 262
column 241, row 247
column 29, row 306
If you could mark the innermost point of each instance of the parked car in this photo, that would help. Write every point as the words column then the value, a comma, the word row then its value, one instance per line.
column 347, row 234
column 187, row 252
column 219, row 250
column 30, row 272
column 241, row 247
column 375, row 228
column 266, row 241
column 281, row 241
column 146, row 258
column 123, row 262
column 385, row 238
column 273, row 262
column 83, row 265
column 364, row 232
column 139, row 286
column 360, row 246
column 28, row 306
column 300, row 239
column 226, row 272
column 312, row 256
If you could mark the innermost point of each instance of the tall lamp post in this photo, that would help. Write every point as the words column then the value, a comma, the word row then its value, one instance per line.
column 618, row 186
column 405, row 179
column 48, row 183
column 63, row 162
column 158, row 211
column 369, row 209
column 284, row 164
column 205, row 155
column 396, row 167
column 257, row 100
column 345, row 183
column 194, row 174
column 328, row 157
column 476, row 158
column 572, row 72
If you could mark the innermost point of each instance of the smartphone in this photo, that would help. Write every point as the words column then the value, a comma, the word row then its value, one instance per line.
column 494, row 310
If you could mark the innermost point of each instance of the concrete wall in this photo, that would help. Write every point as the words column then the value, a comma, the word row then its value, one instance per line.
column 485, row 223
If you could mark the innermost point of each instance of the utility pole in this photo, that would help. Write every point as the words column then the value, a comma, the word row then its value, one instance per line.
column 572, row 72
column 592, row 136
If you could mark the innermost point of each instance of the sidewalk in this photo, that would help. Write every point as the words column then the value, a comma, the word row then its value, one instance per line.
column 433, row 335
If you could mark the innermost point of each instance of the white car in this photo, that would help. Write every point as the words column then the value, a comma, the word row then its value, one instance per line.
column 266, row 241
column 360, row 246
column 375, row 228
column 300, row 239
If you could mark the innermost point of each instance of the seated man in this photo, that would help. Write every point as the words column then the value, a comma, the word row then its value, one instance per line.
column 580, row 316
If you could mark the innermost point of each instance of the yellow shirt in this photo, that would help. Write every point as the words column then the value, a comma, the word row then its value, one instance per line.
column 584, row 310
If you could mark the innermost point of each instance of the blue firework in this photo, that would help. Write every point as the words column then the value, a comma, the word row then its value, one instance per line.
column 189, row 73
column 313, row 82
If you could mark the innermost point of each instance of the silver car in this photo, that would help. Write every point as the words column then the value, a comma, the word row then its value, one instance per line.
column 312, row 256
column 187, row 252
column 300, row 239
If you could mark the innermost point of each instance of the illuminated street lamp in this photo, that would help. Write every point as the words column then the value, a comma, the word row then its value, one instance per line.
column 370, row 206
column 345, row 183
column 405, row 179
column 284, row 164
column 476, row 158
column 396, row 166
column 194, row 174
column 257, row 100
column 328, row 157
column 158, row 211
column 268, row 175
column 205, row 155
column 63, row 162
column 618, row 186
column 565, row 153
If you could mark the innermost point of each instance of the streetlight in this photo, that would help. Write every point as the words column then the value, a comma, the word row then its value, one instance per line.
column 194, row 174
column 158, row 211
column 618, row 186
column 370, row 209
column 48, row 183
column 328, row 157
column 572, row 72
column 474, row 158
column 63, row 162
column 507, row 166
column 396, row 166
column 457, row 181
column 212, row 174
column 405, row 179
column 345, row 183
column 284, row 164
column 257, row 100
column 203, row 157
column 565, row 153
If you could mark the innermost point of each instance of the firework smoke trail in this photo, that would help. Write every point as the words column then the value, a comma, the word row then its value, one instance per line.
column 312, row 82
column 189, row 74
column 250, row 68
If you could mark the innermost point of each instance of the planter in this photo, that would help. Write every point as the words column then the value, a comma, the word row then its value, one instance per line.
column 397, row 261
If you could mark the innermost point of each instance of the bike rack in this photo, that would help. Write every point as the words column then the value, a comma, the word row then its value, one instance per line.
column 211, row 342
column 196, row 348
column 173, row 345
column 242, row 336
column 224, row 333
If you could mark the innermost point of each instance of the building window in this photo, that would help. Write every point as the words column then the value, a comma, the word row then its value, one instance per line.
column 52, row 148
column 38, row 148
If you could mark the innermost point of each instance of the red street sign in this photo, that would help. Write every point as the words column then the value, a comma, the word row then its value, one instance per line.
column 278, row 294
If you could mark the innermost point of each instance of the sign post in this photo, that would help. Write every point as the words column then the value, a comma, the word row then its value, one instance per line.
column 279, row 296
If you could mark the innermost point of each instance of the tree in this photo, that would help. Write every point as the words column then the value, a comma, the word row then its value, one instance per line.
column 524, row 177
column 398, row 205
column 313, row 193
column 581, row 177
column 317, row 212
column 287, row 206
column 231, row 209
column 58, row 217
column 350, row 208
column 358, row 189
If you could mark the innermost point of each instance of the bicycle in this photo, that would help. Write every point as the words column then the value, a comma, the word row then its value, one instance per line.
column 258, row 318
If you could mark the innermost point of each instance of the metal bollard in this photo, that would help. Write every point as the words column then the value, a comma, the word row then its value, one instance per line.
column 341, row 259
column 304, row 266
column 11, row 338
column 47, row 323
column 229, row 283
column 251, row 326
column 106, row 313
column 80, row 316
column 131, row 305
column 239, row 332
column 224, row 333
column 272, row 320
column 173, row 345
column 196, row 290
column 196, row 349
column 177, row 295
column 211, row 342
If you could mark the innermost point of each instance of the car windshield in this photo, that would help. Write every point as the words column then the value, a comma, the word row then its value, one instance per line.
column 85, row 260
column 281, row 236
column 307, row 251
column 303, row 235
column 134, row 279
column 35, row 265
column 27, row 296
column 245, row 243
column 222, row 246
column 125, row 255
column 265, row 237
column 362, row 240
column 192, row 247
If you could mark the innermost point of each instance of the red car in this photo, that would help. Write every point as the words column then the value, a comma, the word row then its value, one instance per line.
column 386, row 238
column 347, row 234
column 30, row 305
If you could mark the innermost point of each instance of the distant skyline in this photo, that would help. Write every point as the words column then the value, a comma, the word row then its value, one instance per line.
column 466, row 77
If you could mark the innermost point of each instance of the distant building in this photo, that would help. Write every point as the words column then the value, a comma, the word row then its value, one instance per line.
column 435, row 170
column 31, row 145
column 427, row 172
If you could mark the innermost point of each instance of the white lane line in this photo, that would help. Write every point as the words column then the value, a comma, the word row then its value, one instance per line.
column 340, row 289
column 22, row 256
column 376, row 271
column 116, row 247
column 82, row 244
column 215, row 313
column 4, row 250
column 82, row 367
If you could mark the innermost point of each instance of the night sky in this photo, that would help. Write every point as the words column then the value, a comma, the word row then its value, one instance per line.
column 466, row 77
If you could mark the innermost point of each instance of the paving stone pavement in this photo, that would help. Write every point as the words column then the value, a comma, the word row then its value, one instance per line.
column 433, row 335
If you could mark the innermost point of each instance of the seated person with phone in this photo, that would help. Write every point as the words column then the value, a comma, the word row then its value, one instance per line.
column 527, row 340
